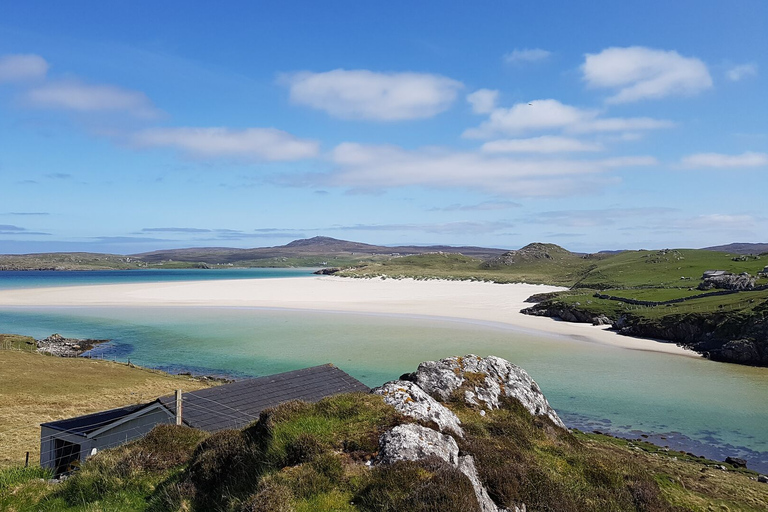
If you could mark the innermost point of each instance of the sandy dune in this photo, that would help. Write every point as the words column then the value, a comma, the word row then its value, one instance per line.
column 470, row 301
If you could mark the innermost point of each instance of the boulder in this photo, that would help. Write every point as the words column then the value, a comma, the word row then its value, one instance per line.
column 736, row 462
column 410, row 400
column 414, row 442
column 484, row 381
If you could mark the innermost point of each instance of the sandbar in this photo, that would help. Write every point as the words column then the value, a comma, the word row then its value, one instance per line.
column 470, row 301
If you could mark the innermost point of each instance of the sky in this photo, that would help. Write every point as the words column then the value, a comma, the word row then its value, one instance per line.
column 134, row 126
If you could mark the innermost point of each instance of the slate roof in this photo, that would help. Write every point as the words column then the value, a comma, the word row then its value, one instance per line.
column 84, row 425
column 237, row 404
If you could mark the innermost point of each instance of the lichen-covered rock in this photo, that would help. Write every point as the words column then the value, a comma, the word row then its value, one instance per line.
column 485, row 381
column 414, row 442
column 410, row 400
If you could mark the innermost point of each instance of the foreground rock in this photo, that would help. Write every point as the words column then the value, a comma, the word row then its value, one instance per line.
column 484, row 381
column 58, row 345
column 414, row 442
column 410, row 400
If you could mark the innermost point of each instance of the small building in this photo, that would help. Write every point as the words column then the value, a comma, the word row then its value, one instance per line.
column 715, row 273
column 65, row 443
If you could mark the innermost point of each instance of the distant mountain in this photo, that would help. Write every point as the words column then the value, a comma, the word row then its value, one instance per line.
column 309, row 247
column 740, row 248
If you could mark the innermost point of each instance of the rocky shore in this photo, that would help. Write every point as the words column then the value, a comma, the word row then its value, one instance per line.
column 723, row 336
column 58, row 345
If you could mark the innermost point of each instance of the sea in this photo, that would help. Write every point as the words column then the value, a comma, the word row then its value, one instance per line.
column 690, row 404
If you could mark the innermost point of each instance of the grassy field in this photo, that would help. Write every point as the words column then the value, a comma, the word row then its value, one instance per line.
column 37, row 388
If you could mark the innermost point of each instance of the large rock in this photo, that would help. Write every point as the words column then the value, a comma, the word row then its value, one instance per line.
column 485, row 381
column 742, row 281
column 410, row 400
column 414, row 442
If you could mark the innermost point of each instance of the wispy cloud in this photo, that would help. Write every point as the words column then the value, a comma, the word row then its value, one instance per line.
column 639, row 73
column 740, row 72
column 597, row 217
column 175, row 230
column 460, row 227
column 8, row 229
column 526, row 55
column 543, row 144
column 723, row 161
column 76, row 96
column 376, row 168
column 28, row 214
column 364, row 94
column 58, row 176
column 484, row 206
column 550, row 114
column 22, row 68
column 251, row 143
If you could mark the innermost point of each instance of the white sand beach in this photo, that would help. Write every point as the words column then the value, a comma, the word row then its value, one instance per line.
column 458, row 300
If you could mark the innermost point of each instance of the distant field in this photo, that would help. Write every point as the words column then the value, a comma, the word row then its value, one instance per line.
column 37, row 388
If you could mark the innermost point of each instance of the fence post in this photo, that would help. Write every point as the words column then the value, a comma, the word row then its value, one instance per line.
column 178, row 407
column 26, row 462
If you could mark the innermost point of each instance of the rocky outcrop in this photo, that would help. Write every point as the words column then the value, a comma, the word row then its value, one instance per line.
column 731, row 338
column 414, row 442
column 58, row 345
column 482, row 382
column 327, row 271
column 739, row 282
column 563, row 312
column 410, row 400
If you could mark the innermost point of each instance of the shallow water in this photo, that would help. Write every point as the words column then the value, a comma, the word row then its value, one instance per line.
column 712, row 409
column 45, row 278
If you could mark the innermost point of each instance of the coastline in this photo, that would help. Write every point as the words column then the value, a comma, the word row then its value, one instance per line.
column 471, row 301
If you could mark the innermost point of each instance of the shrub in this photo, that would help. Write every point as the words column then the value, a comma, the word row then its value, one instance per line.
column 423, row 486
column 224, row 466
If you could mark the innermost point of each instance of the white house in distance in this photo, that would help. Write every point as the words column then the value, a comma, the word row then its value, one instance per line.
column 65, row 443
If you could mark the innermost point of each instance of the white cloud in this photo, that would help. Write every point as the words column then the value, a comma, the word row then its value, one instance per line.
column 645, row 73
column 251, row 143
column 20, row 68
column 740, row 72
column 483, row 101
column 549, row 114
column 373, row 168
column 81, row 97
column 543, row 144
column 721, row 161
column 363, row 94
column 526, row 55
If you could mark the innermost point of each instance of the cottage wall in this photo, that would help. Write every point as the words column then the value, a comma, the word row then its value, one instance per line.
column 128, row 431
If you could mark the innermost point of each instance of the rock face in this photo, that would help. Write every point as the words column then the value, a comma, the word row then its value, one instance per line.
column 410, row 400
column 484, row 381
column 414, row 442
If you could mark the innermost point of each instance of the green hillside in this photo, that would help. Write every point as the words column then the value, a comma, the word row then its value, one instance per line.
column 302, row 457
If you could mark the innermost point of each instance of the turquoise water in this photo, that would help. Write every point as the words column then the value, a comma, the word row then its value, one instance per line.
column 709, row 408
column 45, row 278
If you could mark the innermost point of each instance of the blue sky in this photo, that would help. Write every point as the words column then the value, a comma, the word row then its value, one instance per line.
column 132, row 126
